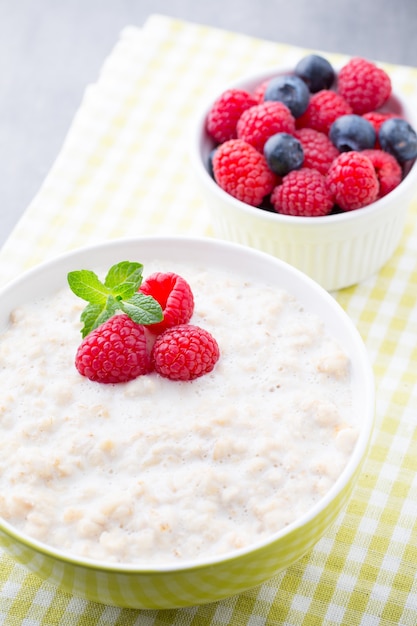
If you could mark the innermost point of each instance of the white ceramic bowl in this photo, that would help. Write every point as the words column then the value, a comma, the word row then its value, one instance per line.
column 210, row 579
column 335, row 250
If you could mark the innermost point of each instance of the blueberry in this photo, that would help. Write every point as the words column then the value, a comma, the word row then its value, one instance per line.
column 398, row 137
column 316, row 72
column 266, row 205
column 352, row 132
column 283, row 153
column 290, row 90
column 210, row 161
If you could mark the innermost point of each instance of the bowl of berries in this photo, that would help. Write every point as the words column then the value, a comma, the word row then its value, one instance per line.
column 146, row 460
column 311, row 164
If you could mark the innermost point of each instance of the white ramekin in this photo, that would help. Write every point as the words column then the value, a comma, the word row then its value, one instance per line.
column 335, row 250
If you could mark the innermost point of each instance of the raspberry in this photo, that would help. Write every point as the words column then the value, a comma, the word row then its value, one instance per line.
column 225, row 112
column 259, row 91
column 115, row 352
column 302, row 192
column 174, row 295
column 258, row 123
column 363, row 85
column 184, row 352
column 352, row 180
column 242, row 171
column 387, row 168
column 324, row 108
column 319, row 152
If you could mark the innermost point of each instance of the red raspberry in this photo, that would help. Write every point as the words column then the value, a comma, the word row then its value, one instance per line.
column 184, row 352
column 363, row 85
column 115, row 352
column 174, row 295
column 323, row 109
column 387, row 168
column 258, row 123
column 302, row 192
column 319, row 151
column 225, row 112
column 243, row 172
column 352, row 180
column 259, row 91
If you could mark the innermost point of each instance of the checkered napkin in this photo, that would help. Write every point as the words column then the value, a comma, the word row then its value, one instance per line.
column 123, row 171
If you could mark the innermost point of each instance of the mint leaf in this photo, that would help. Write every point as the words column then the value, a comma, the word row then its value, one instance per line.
column 119, row 292
column 95, row 314
column 124, row 279
column 86, row 285
column 142, row 309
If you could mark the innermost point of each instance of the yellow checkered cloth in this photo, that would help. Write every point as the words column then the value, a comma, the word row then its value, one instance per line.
column 123, row 171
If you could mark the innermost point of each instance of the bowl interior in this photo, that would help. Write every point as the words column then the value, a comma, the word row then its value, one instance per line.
column 202, row 145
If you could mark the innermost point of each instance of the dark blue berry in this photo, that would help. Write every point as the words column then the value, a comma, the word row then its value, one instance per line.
column 266, row 205
column 290, row 90
column 316, row 72
column 398, row 137
column 283, row 153
column 210, row 162
column 352, row 132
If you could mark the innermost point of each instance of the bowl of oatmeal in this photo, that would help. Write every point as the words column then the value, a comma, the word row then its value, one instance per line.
column 333, row 243
column 156, row 493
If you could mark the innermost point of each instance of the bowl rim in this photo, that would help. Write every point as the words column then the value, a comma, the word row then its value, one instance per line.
column 199, row 137
column 355, row 459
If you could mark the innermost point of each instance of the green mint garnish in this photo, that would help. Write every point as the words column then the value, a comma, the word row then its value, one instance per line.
column 119, row 292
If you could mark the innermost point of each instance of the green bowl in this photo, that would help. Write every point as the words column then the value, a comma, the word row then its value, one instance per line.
column 208, row 580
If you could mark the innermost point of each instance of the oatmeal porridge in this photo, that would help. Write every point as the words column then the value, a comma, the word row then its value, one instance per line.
column 156, row 471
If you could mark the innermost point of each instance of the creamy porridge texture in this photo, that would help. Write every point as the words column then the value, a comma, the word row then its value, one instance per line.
column 156, row 471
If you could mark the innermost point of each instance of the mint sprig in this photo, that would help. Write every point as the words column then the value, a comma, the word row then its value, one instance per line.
column 119, row 292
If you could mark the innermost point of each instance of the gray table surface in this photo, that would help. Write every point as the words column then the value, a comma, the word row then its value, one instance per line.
column 50, row 50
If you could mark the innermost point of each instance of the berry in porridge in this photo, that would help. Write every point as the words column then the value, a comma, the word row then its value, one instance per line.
column 121, row 310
